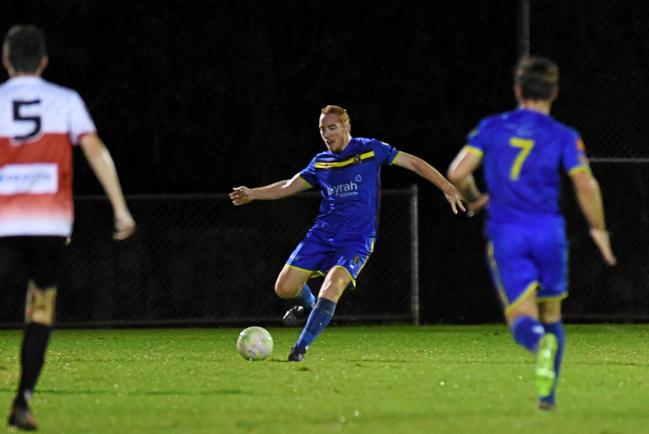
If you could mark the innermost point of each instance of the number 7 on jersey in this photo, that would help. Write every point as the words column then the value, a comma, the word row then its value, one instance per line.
column 525, row 145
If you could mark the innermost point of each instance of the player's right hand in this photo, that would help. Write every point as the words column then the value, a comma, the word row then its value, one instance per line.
column 454, row 198
column 603, row 243
column 240, row 196
column 124, row 225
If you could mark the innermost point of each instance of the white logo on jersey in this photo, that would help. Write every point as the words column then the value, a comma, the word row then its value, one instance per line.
column 347, row 189
column 38, row 178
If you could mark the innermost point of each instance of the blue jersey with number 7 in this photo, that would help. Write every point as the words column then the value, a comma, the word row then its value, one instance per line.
column 524, row 153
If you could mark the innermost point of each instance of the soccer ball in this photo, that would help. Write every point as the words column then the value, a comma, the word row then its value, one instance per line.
column 255, row 343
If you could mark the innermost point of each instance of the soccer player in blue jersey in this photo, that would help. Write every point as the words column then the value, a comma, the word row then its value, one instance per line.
column 341, row 240
column 523, row 153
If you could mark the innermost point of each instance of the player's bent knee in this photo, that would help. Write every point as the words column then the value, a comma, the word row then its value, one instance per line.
column 40, row 305
column 285, row 291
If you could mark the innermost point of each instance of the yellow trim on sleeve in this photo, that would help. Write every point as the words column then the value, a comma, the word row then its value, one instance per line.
column 579, row 169
column 473, row 150
column 347, row 162
column 396, row 157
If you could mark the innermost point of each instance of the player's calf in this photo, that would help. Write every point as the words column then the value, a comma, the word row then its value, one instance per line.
column 39, row 316
column 40, row 305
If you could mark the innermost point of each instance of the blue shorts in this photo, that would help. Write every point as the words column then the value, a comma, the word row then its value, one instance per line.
column 526, row 259
column 319, row 252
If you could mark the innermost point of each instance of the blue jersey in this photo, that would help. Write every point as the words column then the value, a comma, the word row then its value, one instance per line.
column 524, row 153
column 350, row 184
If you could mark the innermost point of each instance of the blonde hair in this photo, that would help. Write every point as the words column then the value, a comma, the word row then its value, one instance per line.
column 338, row 111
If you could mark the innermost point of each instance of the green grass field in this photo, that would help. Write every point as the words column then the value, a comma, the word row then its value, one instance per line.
column 379, row 379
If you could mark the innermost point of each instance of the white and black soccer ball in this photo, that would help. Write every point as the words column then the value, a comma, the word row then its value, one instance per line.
column 255, row 343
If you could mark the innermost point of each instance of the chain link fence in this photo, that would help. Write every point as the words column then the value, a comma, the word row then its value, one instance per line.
column 602, row 49
column 599, row 292
column 196, row 259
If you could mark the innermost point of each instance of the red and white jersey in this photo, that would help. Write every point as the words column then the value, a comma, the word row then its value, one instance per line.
column 39, row 123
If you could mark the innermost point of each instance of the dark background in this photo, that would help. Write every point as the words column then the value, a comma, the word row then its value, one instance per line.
column 197, row 97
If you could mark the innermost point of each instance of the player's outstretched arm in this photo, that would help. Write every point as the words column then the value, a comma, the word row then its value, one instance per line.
column 104, row 168
column 428, row 172
column 590, row 201
column 279, row 190
column 460, row 173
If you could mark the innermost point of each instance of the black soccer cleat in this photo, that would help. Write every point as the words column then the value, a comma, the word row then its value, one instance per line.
column 21, row 418
column 295, row 316
column 296, row 355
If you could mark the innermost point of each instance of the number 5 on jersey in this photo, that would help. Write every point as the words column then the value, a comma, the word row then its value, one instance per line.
column 525, row 146
column 19, row 117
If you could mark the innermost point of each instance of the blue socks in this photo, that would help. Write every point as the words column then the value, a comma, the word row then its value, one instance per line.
column 556, row 328
column 306, row 296
column 319, row 318
column 527, row 332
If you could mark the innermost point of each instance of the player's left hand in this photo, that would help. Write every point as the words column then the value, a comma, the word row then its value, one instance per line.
column 603, row 242
column 454, row 197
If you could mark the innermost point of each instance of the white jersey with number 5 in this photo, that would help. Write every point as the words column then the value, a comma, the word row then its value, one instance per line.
column 39, row 123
